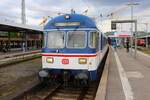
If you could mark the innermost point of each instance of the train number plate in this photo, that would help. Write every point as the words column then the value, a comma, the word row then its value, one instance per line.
column 65, row 61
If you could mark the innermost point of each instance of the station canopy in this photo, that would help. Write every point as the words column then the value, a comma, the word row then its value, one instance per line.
column 16, row 27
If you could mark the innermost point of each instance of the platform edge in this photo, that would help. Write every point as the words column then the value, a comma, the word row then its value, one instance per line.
column 101, row 91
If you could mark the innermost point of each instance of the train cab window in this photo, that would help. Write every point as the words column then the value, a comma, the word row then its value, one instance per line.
column 94, row 37
column 76, row 39
column 55, row 39
column 45, row 39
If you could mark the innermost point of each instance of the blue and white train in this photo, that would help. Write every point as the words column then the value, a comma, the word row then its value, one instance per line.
column 73, row 47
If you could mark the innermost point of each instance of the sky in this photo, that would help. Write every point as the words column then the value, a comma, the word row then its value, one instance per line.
column 10, row 10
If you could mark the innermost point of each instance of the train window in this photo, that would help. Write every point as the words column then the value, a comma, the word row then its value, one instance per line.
column 45, row 38
column 55, row 39
column 93, row 43
column 76, row 39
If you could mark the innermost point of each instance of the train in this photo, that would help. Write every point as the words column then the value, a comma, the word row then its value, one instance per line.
column 73, row 49
column 141, row 42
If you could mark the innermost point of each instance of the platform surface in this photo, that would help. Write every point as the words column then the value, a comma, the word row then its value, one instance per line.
column 16, row 53
column 128, row 78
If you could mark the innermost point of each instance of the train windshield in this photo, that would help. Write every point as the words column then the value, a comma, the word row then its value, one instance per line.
column 55, row 39
column 76, row 39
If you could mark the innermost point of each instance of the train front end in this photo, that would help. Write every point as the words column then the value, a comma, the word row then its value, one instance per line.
column 71, row 49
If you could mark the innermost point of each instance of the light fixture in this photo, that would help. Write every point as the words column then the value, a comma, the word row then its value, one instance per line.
column 67, row 17
column 82, row 61
column 49, row 60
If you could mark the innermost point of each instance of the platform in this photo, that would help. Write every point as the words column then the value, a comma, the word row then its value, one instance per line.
column 14, row 57
column 127, row 78
column 16, row 53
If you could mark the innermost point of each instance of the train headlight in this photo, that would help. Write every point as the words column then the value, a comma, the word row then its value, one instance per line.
column 82, row 61
column 49, row 60
column 67, row 17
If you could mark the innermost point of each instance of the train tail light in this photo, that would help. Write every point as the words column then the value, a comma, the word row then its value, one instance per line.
column 82, row 61
column 49, row 60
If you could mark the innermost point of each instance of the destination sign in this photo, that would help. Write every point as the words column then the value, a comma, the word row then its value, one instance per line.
column 68, row 24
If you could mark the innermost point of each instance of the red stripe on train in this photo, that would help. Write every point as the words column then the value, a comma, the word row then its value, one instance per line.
column 62, row 55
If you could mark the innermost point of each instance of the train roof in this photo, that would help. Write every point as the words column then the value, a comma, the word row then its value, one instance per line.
column 70, row 21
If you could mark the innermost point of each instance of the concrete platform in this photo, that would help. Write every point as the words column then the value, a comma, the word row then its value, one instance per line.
column 128, row 78
column 16, row 53
column 16, row 57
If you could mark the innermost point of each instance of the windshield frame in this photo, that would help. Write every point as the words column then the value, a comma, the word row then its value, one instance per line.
column 47, row 34
column 85, row 39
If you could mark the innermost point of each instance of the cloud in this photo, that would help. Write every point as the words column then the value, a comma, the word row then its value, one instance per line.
column 36, row 10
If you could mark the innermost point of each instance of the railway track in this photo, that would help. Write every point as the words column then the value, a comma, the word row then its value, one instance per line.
column 59, row 92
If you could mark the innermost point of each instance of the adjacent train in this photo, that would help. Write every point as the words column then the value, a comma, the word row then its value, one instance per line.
column 73, row 48
column 141, row 42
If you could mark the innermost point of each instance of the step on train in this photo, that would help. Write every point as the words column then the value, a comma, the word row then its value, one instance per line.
column 73, row 49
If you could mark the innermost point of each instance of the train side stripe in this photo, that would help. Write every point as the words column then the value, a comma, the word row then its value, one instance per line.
column 62, row 55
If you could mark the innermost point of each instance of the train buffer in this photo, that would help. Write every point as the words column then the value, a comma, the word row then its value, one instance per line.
column 124, row 77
